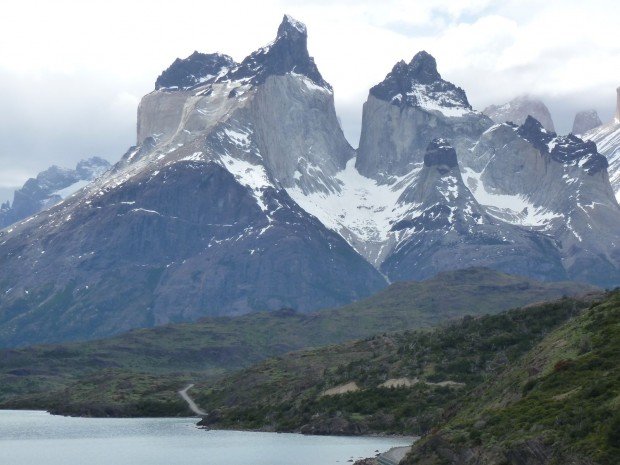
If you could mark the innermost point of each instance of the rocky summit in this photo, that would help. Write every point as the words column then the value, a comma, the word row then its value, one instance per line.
column 242, row 194
column 518, row 109
column 410, row 107
column 585, row 121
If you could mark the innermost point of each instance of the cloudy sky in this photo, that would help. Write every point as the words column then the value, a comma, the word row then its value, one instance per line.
column 72, row 71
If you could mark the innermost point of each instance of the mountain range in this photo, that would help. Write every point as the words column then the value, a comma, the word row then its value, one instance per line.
column 49, row 188
column 242, row 194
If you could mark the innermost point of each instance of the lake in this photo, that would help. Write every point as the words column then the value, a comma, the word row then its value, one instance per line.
column 33, row 437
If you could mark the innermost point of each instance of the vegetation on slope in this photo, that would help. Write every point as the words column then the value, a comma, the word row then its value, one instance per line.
column 138, row 373
column 440, row 367
column 559, row 404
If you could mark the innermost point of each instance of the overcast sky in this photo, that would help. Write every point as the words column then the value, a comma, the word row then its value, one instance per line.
column 72, row 72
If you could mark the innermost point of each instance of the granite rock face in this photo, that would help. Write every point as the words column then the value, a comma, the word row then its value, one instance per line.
column 585, row 121
column 50, row 187
column 517, row 110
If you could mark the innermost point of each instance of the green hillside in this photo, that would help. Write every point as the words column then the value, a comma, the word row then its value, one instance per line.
column 138, row 373
column 559, row 404
column 533, row 386
column 433, row 367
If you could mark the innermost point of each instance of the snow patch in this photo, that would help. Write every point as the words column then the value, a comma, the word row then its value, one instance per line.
column 515, row 209
column 250, row 175
column 362, row 210
column 72, row 189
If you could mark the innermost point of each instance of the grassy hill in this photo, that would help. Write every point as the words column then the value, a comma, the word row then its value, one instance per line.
column 138, row 373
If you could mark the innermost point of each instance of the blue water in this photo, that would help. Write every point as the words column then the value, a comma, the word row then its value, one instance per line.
column 34, row 437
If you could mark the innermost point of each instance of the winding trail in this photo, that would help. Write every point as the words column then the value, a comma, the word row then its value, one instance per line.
column 190, row 402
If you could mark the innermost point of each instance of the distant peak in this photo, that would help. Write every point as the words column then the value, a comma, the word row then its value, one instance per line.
column 439, row 152
column 585, row 120
column 517, row 110
column 290, row 27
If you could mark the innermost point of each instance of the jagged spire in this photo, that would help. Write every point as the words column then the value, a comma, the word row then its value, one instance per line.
column 423, row 68
column 291, row 27
column 287, row 53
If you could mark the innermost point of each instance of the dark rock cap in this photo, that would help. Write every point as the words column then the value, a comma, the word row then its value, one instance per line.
column 564, row 149
column 440, row 152
column 195, row 69
column 287, row 53
column 421, row 70
column 534, row 132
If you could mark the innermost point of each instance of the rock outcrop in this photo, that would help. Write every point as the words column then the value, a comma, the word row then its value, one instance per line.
column 585, row 121
column 446, row 228
column 557, row 185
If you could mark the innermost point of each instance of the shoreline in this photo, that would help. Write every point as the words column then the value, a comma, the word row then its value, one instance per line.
column 240, row 430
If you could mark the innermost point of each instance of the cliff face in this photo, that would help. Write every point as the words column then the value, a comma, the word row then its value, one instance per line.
column 618, row 105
